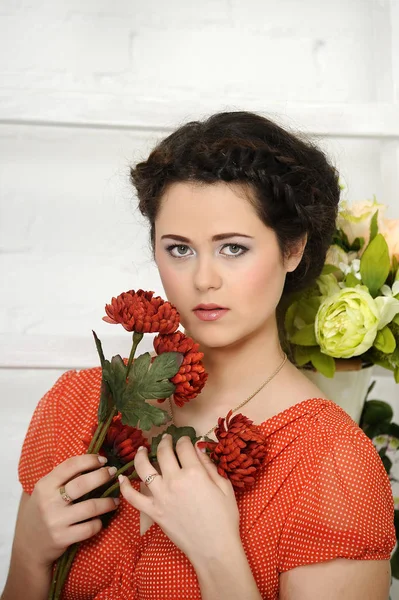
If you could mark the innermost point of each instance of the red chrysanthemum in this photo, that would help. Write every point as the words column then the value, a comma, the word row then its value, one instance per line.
column 240, row 451
column 191, row 377
column 140, row 312
column 121, row 442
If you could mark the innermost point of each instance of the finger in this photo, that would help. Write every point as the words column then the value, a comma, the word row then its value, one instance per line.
column 82, row 511
column 81, row 485
column 82, row 531
column 134, row 497
column 186, row 452
column 209, row 466
column 166, row 457
column 144, row 468
column 73, row 466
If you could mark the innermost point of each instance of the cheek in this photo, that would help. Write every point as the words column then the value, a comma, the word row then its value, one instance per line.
column 263, row 276
column 172, row 281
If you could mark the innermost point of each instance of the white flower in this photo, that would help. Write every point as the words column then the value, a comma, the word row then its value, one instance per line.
column 354, row 220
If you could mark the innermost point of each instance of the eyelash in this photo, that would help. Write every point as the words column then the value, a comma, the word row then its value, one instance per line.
column 171, row 247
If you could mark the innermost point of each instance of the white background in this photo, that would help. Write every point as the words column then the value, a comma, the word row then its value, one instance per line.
column 86, row 87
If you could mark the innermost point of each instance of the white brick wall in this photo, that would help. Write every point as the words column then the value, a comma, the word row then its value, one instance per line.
column 85, row 90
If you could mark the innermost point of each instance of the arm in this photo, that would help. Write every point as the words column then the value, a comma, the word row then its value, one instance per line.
column 46, row 525
column 227, row 576
column 24, row 574
column 339, row 579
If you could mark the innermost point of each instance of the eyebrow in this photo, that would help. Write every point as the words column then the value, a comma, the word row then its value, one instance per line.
column 215, row 238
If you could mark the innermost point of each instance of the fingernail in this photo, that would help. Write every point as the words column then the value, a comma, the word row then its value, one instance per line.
column 121, row 478
column 112, row 470
column 165, row 435
column 140, row 448
column 102, row 459
column 117, row 501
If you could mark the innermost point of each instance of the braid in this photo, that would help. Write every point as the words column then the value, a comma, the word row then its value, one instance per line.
column 295, row 189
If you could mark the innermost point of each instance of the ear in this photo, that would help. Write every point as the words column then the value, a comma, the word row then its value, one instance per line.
column 295, row 254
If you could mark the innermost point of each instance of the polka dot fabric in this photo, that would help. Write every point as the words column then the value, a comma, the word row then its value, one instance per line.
column 323, row 494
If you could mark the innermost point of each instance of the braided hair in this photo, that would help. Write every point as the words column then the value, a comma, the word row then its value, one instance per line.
column 295, row 189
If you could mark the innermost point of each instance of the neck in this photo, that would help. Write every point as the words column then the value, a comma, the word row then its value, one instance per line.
column 234, row 373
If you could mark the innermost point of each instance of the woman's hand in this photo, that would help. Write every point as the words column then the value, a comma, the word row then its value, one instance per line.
column 193, row 504
column 48, row 524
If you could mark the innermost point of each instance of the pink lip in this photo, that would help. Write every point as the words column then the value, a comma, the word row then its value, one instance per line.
column 210, row 314
column 208, row 306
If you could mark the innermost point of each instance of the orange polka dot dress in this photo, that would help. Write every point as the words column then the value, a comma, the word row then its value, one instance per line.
column 323, row 494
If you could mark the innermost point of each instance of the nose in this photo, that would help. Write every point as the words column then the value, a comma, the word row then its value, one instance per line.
column 206, row 275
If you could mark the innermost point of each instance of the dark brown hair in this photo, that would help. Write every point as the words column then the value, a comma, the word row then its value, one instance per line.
column 295, row 188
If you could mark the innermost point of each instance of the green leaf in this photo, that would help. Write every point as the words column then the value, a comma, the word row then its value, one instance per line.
column 289, row 318
column 323, row 363
column 176, row 433
column 357, row 244
column 302, row 354
column 118, row 385
column 139, row 413
column 305, row 336
column 330, row 269
column 377, row 411
column 351, row 280
column 375, row 264
column 374, row 226
column 149, row 383
column 385, row 341
column 166, row 365
column 99, row 347
column 396, row 375
column 140, row 367
column 106, row 403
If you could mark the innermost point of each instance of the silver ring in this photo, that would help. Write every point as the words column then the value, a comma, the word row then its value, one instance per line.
column 150, row 478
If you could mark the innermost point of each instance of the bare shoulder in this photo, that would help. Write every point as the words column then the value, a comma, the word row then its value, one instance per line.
column 338, row 579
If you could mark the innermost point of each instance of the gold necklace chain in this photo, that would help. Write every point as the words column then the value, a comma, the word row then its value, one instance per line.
column 281, row 365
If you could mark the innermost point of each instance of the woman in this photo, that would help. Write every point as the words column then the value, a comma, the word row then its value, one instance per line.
column 241, row 213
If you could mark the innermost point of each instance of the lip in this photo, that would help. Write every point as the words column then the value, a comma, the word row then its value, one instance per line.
column 210, row 314
column 209, row 307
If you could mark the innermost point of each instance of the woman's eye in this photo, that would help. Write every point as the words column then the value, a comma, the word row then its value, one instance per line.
column 180, row 250
column 236, row 249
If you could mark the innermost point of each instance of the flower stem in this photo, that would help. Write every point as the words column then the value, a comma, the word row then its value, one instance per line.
column 55, row 576
column 105, row 426
column 137, row 337
column 69, row 556
column 55, row 585
column 95, row 437
column 116, row 484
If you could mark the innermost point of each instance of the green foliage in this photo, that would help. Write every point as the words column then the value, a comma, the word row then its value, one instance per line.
column 375, row 264
column 385, row 341
column 323, row 363
column 176, row 433
column 148, row 382
column 374, row 226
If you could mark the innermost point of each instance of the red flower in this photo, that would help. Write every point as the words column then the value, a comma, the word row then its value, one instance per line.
column 121, row 442
column 140, row 312
column 191, row 377
column 240, row 451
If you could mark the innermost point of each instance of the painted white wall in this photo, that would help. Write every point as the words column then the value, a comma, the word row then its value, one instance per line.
column 85, row 90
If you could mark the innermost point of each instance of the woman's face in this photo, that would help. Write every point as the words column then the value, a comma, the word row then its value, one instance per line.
column 212, row 248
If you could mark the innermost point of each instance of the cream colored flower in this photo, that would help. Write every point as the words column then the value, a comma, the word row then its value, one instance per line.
column 355, row 219
column 390, row 231
column 346, row 323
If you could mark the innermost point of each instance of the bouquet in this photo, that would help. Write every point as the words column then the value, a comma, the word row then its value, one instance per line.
column 124, row 412
column 352, row 310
